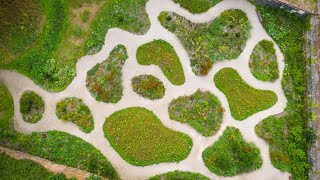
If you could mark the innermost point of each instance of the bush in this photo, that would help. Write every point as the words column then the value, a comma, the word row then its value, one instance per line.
column 179, row 175
column 31, row 107
column 197, row 6
column 148, row 86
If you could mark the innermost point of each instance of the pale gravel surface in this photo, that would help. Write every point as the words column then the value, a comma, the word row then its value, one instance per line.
column 18, row 83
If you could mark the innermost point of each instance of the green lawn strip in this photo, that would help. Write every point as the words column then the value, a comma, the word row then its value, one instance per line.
column 197, row 6
column 162, row 54
column 231, row 155
column 148, row 86
column 75, row 110
column 243, row 99
column 11, row 168
column 179, row 175
column 31, row 107
column 104, row 80
column 141, row 139
column 59, row 147
column 263, row 62
column 207, row 43
column 288, row 134
column 201, row 110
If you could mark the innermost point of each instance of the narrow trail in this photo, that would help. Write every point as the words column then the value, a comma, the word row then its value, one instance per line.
column 18, row 83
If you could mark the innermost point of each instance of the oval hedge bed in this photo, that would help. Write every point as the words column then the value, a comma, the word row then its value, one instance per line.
column 148, row 86
column 31, row 107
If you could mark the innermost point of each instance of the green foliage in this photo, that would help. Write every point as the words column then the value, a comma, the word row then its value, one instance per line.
column 31, row 107
column 148, row 86
column 56, row 146
column 11, row 168
column 104, row 80
column 85, row 16
column 288, row 135
column 201, row 110
column 243, row 99
column 231, row 155
column 162, row 54
column 74, row 110
column 179, row 175
column 263, row 62
column 223, row 38
column 197, row 6
column 141, row 139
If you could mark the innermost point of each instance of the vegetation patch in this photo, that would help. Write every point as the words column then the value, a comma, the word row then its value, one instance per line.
column 11, row 168
column 238, row 156
column 220, row 39
column 148, row 86
column 243, row 99
column 74, row 110
column 31, row 107
column 55, row 146
column 141, row 139
column 197, row 6
column 179, row 175
column 104, row 80
column 263, row 62
column 201, row 110
column 162, row 54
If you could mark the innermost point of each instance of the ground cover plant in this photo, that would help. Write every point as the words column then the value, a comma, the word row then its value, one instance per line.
column 197, row 6
column 11, row 168
column 238, row 156
column 75, row 110
column 31, row 107
column 223, row 38
column 263, row 62
column 56, row 146
column 179, row 175
column 162, row 54
column 243, row 99
column 141, row 139
column 148, row 86
column 104, row 80
column 201, row 110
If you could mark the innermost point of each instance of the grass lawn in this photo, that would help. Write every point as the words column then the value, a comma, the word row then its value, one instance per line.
column 218, row 40
column 104, row 80
column 263, row 62
column 243, row 99
column 11, row 168
column 231, row 155
column 201, row 110
column 59, row 147
column 148, row 86
column 141, row 139
column 74, row 110
column 31, row 107
column 162, row 54
column 197, row 6
column 179, row 175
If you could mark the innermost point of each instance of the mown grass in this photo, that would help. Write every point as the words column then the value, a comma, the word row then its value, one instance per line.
column 263, row 62
column 243, row 99
column 31, row 107
column 201, row 110
column 141, row 139
column 179, row 175
column 207, row 43
column 104, row 80
column 56, row 146
column 148, row 86
column 162, row 54
column 288, row 134
column 11, row 168
column 231, row 155
column 197, row 6
column 75, row 110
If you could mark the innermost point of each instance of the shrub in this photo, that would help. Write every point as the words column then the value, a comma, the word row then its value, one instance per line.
column 179, row 175
column 197, row 6
column 148, row 86
column 31, row 107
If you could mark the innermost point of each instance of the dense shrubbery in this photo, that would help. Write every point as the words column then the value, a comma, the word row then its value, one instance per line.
column 197, row 6
column 179, row 175
column 31, row 107
column 201, row 110
column 148, row 86
column 223, row 38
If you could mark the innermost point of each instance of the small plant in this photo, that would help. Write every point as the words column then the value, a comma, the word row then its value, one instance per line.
column 85, row 16
column 31, row 107
column 148, row 86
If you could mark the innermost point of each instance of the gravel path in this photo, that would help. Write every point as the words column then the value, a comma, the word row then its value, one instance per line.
column 18, row 83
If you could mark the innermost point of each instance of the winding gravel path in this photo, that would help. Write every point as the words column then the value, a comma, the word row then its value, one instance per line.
column 18, row 83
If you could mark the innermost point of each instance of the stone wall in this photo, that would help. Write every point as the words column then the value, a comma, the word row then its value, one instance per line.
column 282, row 5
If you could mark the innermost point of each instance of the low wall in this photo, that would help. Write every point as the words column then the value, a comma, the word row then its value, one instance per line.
column 282, row 5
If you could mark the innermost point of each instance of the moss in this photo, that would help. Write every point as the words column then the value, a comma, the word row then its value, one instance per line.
column 148, row 86
column 31, row 107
